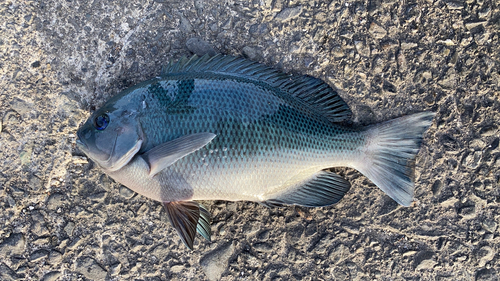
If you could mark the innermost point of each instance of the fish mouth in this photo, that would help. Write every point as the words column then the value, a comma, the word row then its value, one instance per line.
column 79, row 143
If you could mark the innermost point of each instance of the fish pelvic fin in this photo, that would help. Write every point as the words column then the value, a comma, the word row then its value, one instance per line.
column 389, row 154
column 189, row 217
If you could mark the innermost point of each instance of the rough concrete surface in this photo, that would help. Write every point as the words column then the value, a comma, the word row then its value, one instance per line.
column 63, row 219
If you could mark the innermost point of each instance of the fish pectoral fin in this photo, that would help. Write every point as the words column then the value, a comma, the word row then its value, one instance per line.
column 188, row 217
column 166, row 154
column 322, row 189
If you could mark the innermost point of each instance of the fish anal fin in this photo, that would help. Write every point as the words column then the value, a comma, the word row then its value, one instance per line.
column 166, row 154
column 324, row 188
column 204, row 223
column 188, row 217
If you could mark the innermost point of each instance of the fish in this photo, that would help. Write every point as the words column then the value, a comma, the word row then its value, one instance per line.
column 227, row 128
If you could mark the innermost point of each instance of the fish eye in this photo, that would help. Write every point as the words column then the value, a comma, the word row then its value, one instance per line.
column 101, row 122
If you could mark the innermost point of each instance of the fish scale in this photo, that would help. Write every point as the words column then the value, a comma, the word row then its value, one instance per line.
column 225, row 128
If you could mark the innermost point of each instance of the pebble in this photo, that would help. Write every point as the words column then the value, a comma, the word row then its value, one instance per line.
column 454, row 5
column 472, row 25
column 263, row 247
column 436, row 187
column 266, row 3
column 409, row 253
column 13, row 245
column 322, row 246
column 115, row 269
column 185, row 25
column 25, row 155
column 489, row 225
column 338, row 254
column 407, row 46
column 42, row 241
column 486, row 274
column 55, row 257
column 222, row 231
column 447, row 42
column 200, row 47
column 177, row 269
column 362, row 48
column 215, row 262
column 160, row 252
column 35, row 183
column 288, row 13
column 337, row 52
column 227, row 24
column 39, row 254
column 126, row 192
column 75, row 243
column 7, row 274
column 21, row 106
column 251, row 53
column 11, row 119
column 55, row 201
column 426, row 264
column 259, row 29
column 11, row 201
column 79, row 160
column 423, row 260
column 450, row 80
column 98, row 196
column 485, row 254
column 321, row 17
column 484, row 13
column 377, row 31
column 467, row 212
column 473, row 160
column 51, row 276
column 69, row 228
column 251, row 260
column 90, row 268
column 294, row 232
column 38, row 226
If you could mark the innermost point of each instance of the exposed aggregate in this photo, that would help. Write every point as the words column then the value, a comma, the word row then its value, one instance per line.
column 62, row 219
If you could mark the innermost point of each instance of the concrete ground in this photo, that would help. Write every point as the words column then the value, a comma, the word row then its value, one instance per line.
column 62, row 219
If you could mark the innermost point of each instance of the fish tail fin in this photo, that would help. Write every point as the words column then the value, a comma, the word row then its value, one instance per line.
column 389, row 154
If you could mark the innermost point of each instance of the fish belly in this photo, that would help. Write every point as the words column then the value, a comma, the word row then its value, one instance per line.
column 222, row 173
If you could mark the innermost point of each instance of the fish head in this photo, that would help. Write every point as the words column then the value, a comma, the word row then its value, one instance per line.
column 111, row 136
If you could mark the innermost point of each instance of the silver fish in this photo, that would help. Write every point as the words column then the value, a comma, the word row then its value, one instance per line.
column 225, row 128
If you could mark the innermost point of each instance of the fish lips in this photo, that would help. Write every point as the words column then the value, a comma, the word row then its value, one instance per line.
column 80, row 144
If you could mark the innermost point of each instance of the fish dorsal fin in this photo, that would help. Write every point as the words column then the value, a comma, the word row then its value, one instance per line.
column 315, row 92
column 188, row 217
column 322, row 189
column 166, row 154
column 321, row 96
